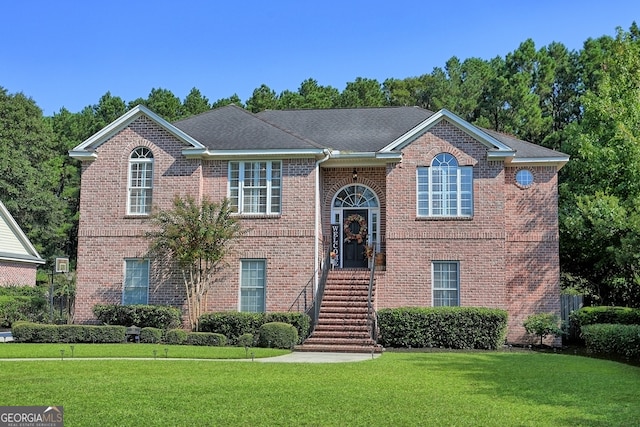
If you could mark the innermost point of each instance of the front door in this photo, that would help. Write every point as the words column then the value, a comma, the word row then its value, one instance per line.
column 354, row 237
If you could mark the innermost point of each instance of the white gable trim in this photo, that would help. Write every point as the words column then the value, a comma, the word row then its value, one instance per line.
column 30, row 255
column 86, row 150
column 499, row 150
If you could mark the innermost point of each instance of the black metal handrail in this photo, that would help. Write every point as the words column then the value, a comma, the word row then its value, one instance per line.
column 372, row 318
column 313, row 309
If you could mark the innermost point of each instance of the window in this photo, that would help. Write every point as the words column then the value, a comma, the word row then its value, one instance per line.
column 252, row 285
column 445, row 189
column 255, row 187
column 446, row 283
column 140, row 181
column 524, row 178
column 136, row 282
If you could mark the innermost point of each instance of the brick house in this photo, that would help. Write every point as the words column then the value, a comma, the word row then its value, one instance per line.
column 464, row 216
column 19, row 260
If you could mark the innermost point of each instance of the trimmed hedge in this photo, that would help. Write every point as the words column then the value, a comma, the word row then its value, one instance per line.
column 447, row 327
column 602, row 314
column 235, row 324
column 206, row 338
column 176, row 336
column 612, row 339
column 141, row 315
column 150, row 335
column 38, row 333
column 277, row 335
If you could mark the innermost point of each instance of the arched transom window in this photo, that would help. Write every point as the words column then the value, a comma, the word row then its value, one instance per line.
column 355, row 196
column 140, row 181
column 445, row 189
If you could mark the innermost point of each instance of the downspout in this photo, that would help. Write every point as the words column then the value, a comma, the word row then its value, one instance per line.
column 316, row 266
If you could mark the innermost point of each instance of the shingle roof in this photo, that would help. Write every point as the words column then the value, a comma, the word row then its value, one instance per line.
column 233, row 128
column 349, row 129
column 346, row 130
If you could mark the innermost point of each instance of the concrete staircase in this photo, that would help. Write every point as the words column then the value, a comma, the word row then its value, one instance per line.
column 342, row 323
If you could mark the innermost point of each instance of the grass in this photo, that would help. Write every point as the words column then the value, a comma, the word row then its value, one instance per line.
column 397, row 389
column 20, row 351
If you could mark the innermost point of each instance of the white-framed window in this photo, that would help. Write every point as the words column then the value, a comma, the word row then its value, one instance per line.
column 255, row 187
column 444, row 188
column 140, row 182
column 253, row 280
column 136, row 281
column 524, row 178
column 446, row 283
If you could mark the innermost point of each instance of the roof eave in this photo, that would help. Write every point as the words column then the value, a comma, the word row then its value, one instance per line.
column 475, row 132
column 30, row 260
column 558, row 162
column 197, row 153
column 362, row 159
column 86, row 150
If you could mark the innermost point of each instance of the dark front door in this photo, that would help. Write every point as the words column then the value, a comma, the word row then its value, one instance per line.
column 354, row 235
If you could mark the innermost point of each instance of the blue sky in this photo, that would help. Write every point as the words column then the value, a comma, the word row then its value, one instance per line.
column 69, row 53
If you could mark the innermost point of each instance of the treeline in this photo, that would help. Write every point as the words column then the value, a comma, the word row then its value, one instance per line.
column 584, row 103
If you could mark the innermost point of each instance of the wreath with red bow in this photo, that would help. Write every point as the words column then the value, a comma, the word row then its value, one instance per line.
column 362, row 233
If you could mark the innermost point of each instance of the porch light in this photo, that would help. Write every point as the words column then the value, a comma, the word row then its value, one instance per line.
column 355, row 175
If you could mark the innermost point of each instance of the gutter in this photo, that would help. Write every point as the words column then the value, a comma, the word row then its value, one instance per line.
column 318, row 208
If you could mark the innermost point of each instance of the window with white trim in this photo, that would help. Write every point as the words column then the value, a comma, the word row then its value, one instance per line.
column 140, row 182
column 445, row 189
column 446, row 283
column 136, row 282
column 252, row 285
column 255, row 187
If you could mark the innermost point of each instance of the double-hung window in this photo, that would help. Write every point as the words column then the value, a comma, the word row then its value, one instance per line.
column 252, row 285
column 136, row 282
column 446, row 283
column 444, row 188
column 140, row 182
column 255, row 187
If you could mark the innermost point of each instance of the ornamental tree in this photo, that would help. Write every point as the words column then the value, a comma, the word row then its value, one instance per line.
column 196, row 237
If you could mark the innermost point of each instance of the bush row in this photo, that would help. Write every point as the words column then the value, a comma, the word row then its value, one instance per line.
column 235, row 324
column 141, row 315
column 593, row 315
column 39, row 333
column 274, row 335
column 612, row 339
column 448, row 327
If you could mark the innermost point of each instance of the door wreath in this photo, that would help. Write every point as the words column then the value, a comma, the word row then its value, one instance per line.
column 362, row 233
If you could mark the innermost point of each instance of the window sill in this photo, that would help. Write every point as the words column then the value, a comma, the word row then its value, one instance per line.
column 444, row 218
column 256, row 216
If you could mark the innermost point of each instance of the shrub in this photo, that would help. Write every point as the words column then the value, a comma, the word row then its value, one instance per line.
column 38, row 333
column 150, row 335
column 141, row 315
column 592, row 315
column 14, row 308
column 245, row 340
column 543, row 325
column 612, row 339
column 277, row 335
column 176, row 336
column 235, row 324
column 448, row 327
column 300, row 321
column 206, row 338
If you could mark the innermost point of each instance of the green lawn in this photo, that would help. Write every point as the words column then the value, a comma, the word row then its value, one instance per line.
column 397, row 389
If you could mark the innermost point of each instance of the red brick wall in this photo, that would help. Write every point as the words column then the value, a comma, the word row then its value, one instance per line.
column 507, row 252
column 533, row 272
column 17, row 273
column 107, row 235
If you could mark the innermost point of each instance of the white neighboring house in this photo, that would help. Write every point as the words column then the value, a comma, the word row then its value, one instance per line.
column 19, row 260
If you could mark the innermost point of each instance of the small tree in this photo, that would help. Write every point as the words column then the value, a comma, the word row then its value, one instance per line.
column 197, row 237
column 542, row 325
